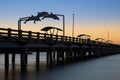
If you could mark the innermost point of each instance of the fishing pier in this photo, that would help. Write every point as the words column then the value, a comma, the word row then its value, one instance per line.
column 59, row 49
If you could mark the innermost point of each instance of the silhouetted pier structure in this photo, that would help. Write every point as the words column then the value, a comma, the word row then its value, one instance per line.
column 59, row 49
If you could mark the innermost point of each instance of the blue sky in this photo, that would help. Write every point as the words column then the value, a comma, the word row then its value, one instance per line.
column 84, row 8
column 90, row 15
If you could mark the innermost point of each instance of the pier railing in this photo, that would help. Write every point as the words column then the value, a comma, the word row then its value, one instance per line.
column 20, row 35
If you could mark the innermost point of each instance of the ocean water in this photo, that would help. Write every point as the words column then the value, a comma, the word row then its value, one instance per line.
column 104, row 68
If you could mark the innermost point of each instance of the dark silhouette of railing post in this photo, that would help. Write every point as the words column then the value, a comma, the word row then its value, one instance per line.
column 38, row 36
column 65, row 38
column 9, row 34
column 56, row 38
column 29, row 35
column 73, row 39
column 70, row 39
column 45, row 36
column 19, row 35
column 51, row 37
column 77, row 41
column 80, row 40
column 62, row 38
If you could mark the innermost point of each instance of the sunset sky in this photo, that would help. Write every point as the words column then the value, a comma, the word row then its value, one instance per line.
column 93, row 17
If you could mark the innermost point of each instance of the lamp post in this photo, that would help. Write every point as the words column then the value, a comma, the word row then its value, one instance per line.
column 73, row 26
column 19, row 22
column 85, row 38
column 63, row 23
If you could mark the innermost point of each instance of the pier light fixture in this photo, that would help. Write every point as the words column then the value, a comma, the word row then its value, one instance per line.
column 85, row 36
column 41, row 16
column 109, row 41
column 100, row 39
column 49, row 28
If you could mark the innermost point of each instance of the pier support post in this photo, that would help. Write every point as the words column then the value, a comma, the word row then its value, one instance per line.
column 23, row 57
column 66, row 56
column 37, row 59
column 54, row 56
column 47, row 55
column 51, row 58
column 62, row 55
column 6, row 65
column 13, row 58
column 70, row 56
column 58, row 55
column 75, row 53
column 6, row 60
column 26, row 58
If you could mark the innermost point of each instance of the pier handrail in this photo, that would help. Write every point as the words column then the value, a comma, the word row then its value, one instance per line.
column 10, row 34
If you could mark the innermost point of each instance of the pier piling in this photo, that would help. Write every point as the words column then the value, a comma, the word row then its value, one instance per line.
column 37, row 60
column 6, row 60
column 23, row 59
column 13, row 58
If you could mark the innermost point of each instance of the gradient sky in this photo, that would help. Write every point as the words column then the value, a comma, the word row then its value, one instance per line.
column 93, row 17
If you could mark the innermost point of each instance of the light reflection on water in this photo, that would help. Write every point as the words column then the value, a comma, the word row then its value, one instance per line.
column 106, row 68
column 14, row 72
column 31, row 58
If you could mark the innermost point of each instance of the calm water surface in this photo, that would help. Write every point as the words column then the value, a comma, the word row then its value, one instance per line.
column 105, row 68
